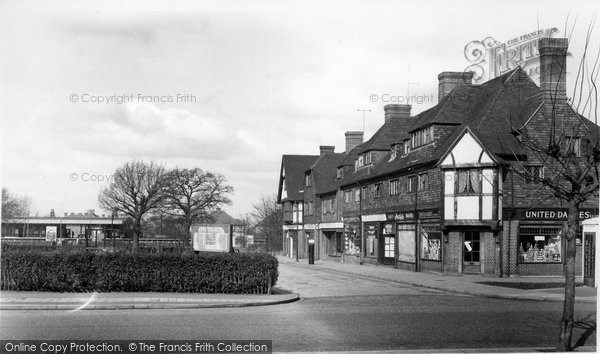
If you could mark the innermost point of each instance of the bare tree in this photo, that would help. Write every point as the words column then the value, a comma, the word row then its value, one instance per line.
column 13, row 205
column 566, row 145
column 269, row 222
column 137, row 189
column 193, row 193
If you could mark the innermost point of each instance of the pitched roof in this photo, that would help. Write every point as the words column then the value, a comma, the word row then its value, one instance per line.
column 221, row 217
column 492, row 111
column 294, row 167
column 394, row 130
column 325, row 172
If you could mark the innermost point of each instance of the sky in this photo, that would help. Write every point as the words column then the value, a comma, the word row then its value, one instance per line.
column 227, row 86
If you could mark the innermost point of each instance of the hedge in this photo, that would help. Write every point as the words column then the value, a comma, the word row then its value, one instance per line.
column 238, row 273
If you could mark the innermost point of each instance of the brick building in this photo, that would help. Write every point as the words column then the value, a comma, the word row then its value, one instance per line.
column 438, row 191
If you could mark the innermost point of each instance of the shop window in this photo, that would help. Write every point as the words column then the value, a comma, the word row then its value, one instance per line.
column 540, row 245
column 352, row 239
column 335, row 244
column 431, row 243
column 406, row 242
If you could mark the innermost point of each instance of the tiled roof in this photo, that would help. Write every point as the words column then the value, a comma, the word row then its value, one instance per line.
column 295, row 166
column 492, row 111
column 394, row 130
column 325, row 172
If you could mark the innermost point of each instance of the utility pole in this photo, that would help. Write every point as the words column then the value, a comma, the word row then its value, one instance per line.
column 363, row 112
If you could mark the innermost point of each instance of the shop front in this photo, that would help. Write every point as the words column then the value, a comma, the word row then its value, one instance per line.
column 352, row 240
column 331, row 241
column 539, row 242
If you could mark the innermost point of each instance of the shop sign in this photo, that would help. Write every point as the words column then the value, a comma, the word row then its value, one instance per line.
column 399, row 216
column 388, row 229
column 374, row 217
column 348, row 219
column 555, row 214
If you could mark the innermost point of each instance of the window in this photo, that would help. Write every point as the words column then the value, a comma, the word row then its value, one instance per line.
column 377, row 190
column 395, row 151
column 540, row 245
column 574, row 146
column 340, row 173
column 423, row 183
column 365, row 192
column 394, row 184
column 361, row 160
column 431, row 243
column 368, row 157
column 347, row 197
column 406, row 146
column 310, row 208
column 534, row 174
column 469, row 182
column 410, row 184
column 357, row 194
column 307, row 180
column 422, row 137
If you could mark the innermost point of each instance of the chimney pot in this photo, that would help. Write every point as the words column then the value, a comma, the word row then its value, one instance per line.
column 397, row 111
column 448, row 80
column 553, row 67
column 353, row 139
column 52, row 214
column 326, row 149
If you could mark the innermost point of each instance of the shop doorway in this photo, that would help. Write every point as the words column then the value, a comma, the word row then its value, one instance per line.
column 471, row 252
column 589, row 259
column 387, row 249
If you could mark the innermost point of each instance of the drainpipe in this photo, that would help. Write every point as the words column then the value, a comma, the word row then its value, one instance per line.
column 417, row 234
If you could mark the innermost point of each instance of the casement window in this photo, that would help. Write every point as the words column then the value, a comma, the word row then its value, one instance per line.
column 574, row 146
column 469, row 182
column 394, row 187
column 347, row 196
column 364, row 192
column 368, row 157
column 340, row 173
column 534, row 174
column 411, row 184
column 395, row 151
column 406, row 146
column 310, row 208
column 357, row 194
column 377, row 190
column 422, row 137
column 307, row 180
column 423, row 182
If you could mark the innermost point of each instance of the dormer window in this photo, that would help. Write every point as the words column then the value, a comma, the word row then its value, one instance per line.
column 307, row 180
column 395, row 151
column 363, row 159
column 422, row 137
column 340, row 173
column 406, row 146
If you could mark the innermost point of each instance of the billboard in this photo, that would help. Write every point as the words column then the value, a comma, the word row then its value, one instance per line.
column 210, row 238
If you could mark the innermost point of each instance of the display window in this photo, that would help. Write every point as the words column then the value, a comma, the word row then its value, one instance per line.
column 406, row 243
column 540, row 244
column 352, row 239
column 431, row 243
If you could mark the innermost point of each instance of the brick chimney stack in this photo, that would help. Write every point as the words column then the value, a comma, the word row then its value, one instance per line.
column 553, row 68
column 448, row 80
column 52, row 213
column 353, row 139
column 393, row 111
column 326, row 149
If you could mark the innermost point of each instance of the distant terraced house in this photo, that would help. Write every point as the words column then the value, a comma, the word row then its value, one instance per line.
column 436, row 191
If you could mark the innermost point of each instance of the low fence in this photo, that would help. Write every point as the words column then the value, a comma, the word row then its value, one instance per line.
column 150, row 245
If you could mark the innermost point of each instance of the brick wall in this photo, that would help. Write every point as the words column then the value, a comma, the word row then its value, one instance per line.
column 488, row 253
column 431, row 266
column 453, row 252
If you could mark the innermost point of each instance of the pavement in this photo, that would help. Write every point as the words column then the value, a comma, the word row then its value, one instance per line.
column 466, row 284
column 452, row 283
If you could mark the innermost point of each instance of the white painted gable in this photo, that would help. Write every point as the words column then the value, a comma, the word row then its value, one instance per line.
column 466, row 151
column 283, row 187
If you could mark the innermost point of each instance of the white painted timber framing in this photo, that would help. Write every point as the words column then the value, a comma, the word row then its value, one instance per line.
column 466, row 151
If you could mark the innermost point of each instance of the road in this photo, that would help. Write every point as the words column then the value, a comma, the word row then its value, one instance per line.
column 337, row 313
